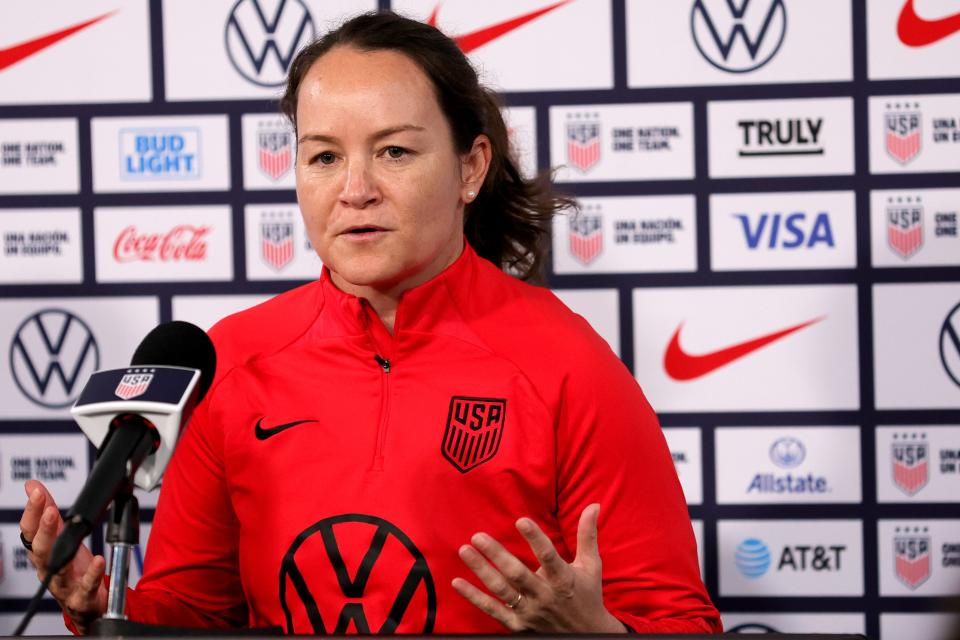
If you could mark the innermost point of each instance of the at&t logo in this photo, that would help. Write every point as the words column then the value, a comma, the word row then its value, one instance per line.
column 752, row 557
column 719, row 25
column 51, row 352
column 263, row 36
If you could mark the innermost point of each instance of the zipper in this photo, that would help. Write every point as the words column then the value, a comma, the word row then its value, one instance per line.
column 384, row 411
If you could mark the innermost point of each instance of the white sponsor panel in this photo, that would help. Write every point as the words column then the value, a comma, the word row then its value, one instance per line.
column 915, row 228
column 929, row 626
column 42, row 624
column 915, row 134
column 54, row 344
column 627, row 234
column 687, row 454
column 916, row 345
column 919, row 557
column 599, row 307
column 790, row 557
column 40, row 246
column 507, row 42
column 235, row 49
column 277, row 244
column 39, row 156
column 522, row 128
column 161, row 153
column 787, row 465
column 698, row 536
column 60, row 51
column 136, row 554
column 795, row 137
column 918, row 463
column 206, row 311
column 757, row 348
column 912, row 39
column 157, row 244
column 802, row 230
column 269, row 151
column 716, row 42
column 595, row 143
column 761, row 623
column 60, row 462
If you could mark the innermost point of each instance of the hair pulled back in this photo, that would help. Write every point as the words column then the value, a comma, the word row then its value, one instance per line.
column 508, row 222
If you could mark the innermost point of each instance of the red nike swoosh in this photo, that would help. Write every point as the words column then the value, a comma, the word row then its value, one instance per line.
column 12, row 55
column 914, row 31
column 681, row 365
column 476, row 39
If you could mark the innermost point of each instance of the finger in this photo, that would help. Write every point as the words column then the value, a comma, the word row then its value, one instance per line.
column 486, row 603
column 489, row 576
column 32, row 512
column 85, row 596
column 555, row 569
column 50, row 524
column 516, row 573
column 588, row 548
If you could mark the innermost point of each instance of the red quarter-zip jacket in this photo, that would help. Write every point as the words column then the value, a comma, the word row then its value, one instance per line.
column 329, row 477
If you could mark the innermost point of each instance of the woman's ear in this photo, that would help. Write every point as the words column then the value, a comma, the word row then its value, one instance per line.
column 473, row 168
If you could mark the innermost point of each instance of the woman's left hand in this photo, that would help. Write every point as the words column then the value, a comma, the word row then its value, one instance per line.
column 558, row 597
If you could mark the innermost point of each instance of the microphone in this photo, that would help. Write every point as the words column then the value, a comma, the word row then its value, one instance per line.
column 134, row 416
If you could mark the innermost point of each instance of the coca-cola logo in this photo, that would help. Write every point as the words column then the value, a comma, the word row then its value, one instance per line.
column 183, row 242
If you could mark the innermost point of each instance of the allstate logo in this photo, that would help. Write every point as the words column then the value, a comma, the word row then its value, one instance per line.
column 752, row 558
column 787, row 452
column 717, row 27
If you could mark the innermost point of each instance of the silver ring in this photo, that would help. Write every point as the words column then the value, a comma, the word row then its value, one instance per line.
column 513, row 603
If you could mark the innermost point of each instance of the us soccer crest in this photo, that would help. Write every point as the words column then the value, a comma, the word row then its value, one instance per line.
column 133, row 384
column 583, row 144
column 276, row 155
column 905, row 228
column 586, row 237
column 903, row 130
column 473, row 431
column 276, row 242
column 910, row 464
column 911, row 552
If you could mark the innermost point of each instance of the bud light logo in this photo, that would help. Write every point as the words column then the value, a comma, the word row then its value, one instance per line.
column 752, row 557
column 787, row 453
column 160, row 154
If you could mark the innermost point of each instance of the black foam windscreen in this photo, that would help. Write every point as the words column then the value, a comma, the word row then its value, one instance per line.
column 179, row 344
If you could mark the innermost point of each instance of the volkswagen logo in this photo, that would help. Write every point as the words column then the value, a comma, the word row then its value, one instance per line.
column 263, row 36
column 51, row 352
column 950, row 344
column 741, row 39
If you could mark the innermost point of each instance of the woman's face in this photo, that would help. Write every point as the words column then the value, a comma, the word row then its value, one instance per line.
column 380, row 184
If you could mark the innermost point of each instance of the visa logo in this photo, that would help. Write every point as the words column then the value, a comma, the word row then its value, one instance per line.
column 786, row 231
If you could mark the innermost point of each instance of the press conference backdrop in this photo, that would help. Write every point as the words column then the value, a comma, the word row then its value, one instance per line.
column 768, row 238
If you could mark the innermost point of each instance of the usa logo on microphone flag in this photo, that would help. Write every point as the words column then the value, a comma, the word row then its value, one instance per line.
column 133, row 384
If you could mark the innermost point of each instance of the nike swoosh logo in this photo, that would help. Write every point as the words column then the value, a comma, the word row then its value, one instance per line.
column 914, row 31
column 263, row 433
column 18, row 52
column 476, row 39
column 683, row 366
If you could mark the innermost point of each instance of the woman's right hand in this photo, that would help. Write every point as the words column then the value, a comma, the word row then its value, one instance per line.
column 79, row 586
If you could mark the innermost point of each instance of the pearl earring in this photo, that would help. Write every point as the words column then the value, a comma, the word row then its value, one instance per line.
column 471, row 195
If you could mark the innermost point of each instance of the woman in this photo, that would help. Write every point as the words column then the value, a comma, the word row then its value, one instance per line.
column 365, row 430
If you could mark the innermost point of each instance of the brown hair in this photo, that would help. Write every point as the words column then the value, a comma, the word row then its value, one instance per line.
column 509, row 221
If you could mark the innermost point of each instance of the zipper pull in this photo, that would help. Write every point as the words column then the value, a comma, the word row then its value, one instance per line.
column 383, row 362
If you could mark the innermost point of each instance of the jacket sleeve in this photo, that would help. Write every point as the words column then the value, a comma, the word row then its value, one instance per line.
column 610, row 450
column 191, row 572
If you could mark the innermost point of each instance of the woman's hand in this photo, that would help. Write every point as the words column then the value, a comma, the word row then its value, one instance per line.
column 79, row 587
column 558, row 597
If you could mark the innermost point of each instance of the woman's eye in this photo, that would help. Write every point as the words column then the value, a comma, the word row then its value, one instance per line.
column 326, row 157
column 396, row 152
